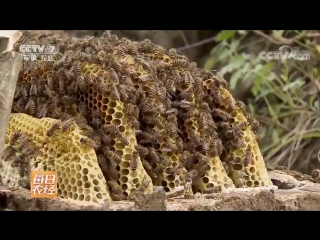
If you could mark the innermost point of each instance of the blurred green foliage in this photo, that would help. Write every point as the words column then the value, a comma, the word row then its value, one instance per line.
column 283, row 94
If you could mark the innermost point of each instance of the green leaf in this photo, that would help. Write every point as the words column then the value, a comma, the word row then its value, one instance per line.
column 237, row 62
column 234, row 79
column 311, row 101
column 242, row 32
column 234, row 44
column 277, row 33
column 226, row 53
column 275, row 136
column 209, row 64
column 225, row 35
column 251, row 108
column 284, row 77
column 315, row 73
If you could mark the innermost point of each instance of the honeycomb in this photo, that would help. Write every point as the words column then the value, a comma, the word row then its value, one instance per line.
column 79, row 175
column 152, row 117
column 255, row 174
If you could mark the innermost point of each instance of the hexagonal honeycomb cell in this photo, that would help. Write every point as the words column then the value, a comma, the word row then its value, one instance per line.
column 149, row 113
column 78, row 171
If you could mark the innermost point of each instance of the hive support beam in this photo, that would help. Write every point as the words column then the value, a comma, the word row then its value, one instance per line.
column 10, row 65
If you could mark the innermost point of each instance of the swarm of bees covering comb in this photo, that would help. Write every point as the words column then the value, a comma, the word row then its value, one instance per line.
column 152, row 116
column 37, row 144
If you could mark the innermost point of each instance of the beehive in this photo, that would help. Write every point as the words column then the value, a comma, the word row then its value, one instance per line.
column 168, row 174
column 79, row 175
column 216, row 174
column 142, row 90
column 255, row 174
column 113, row 112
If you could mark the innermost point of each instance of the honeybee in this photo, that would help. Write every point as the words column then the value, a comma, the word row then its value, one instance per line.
column 230, row 103
column 220, row 113
column 178, row 63
column 50, row 93
column 27, row 151
column 172, row 130
column 113, row 157
column 194, row 137
column 113, row 75
column 43, row 112
column 154, row 155
column 185, row 160
column 23, row 142
column 66, row 125
column 114, row 92
column 205, row 148
column 172, row 53
column 216, row 96
column 77, row 69
column 145, row 45
column 114, row 187
column 253, row 123
column 24, row 92
column 133, row 122
column 145, row 183
column 238, row 141
column 81, row 83
column 181, row 104
column 104, row 137
column 143, row 151
column 22, row 169
column 34, row 87
column 179, row 144
column 168, row 147
column 134, row 161
column 147, row 166
column 175, row 171
column 123, row 92
column 89, row 142
column 14, row 137
column 83, row 109
column 224, row 125
column 53, row 127
column 192, row 174
column 203, row 160
column 103, row 163
column 123, row 139
column 229, row 159
column 112, row 129
column 132, row 110
column 241, row 106
column 31, row 104
column 216, row 147
column 8, row 152
column 24, row 183
column 248, row 158
column 220, row 80
column 152, row 120
column 215, row 189
column 203, row 169
column 144, row 64
column 188, row 190
column 95, row 118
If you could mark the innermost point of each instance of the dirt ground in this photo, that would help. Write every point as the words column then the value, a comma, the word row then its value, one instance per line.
column 290, row 193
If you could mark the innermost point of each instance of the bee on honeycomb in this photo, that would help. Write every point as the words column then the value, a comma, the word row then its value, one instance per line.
column 150, row 114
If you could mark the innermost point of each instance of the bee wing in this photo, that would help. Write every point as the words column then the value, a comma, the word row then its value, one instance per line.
column 28, row 104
